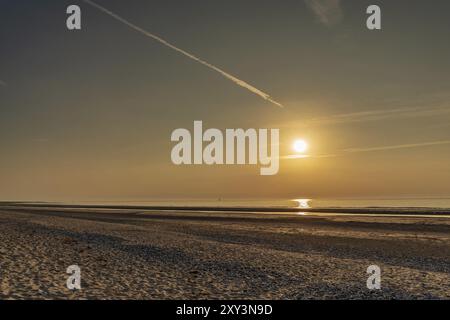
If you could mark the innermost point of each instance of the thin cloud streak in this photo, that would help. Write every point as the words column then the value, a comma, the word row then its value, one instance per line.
column 369, row 116
column 230, row 77
column 370, row 149
column 2, row 83
column 328, row 12
column 374, row 115
column 400, row 146
column 306, row 156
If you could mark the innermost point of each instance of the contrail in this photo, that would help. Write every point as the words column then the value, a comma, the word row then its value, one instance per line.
column 237, row 81
column 346, row 152
column 374, row 115
column 401, row 146
column 305, row 156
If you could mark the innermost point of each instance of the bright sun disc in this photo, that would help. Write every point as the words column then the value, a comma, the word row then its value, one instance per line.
column 300, row 146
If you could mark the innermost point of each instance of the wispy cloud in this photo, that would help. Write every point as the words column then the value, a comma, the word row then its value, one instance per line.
column 328, row 12
column 399, row 146
column 346, row 152
column 230, row 77
column 374, row 115
column 2, row 83
column 306, row 156
column 369, row 116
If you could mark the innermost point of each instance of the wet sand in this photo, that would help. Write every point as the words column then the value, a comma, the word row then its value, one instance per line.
column 129, row 253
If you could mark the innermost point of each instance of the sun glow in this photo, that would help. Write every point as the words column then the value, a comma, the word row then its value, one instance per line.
column 303, row 203
column 300, row 146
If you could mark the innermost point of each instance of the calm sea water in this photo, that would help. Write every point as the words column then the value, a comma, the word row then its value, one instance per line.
column 288, row 203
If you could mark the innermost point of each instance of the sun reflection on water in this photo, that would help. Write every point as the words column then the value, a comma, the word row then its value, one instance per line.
column 303, row 203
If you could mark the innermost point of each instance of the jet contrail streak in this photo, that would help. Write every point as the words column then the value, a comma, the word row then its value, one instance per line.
column 401, row 146
column 370, row 149
column 237, row 81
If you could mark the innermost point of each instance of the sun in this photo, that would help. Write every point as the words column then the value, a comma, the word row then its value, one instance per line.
column 300, row 146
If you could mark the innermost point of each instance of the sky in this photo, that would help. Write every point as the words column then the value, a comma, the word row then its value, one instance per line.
column 88, row 114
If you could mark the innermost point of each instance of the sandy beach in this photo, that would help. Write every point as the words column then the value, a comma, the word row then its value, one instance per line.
column 145, row 254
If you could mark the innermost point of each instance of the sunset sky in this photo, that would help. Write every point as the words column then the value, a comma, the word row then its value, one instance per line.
column 87, row 115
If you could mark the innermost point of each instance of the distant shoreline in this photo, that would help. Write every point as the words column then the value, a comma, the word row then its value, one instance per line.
column 339, row 210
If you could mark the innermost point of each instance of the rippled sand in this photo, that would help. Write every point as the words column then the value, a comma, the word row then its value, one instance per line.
column 134, row 254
